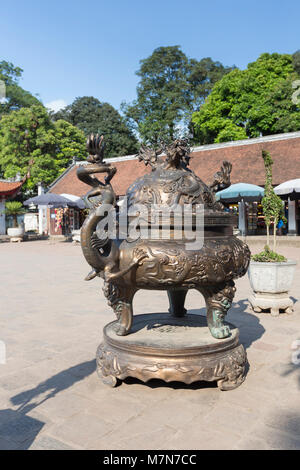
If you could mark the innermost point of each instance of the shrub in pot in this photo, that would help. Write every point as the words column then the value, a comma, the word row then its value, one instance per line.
column 271, row 274
column 15, row 208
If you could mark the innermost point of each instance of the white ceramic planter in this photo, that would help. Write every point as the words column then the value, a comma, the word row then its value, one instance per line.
column 271, row 283
column 271, row 277
column 16, row 233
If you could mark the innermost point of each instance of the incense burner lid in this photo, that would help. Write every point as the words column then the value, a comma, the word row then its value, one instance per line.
column 171, row 182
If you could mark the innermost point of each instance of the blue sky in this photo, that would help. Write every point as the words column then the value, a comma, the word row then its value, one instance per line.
column 76, row 48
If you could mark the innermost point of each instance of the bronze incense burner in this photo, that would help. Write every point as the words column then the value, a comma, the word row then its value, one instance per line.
column 128, row 263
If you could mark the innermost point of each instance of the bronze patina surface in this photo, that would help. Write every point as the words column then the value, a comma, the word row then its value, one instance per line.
column 128, row 264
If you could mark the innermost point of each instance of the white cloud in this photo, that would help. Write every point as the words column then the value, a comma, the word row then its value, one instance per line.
column 56, row 105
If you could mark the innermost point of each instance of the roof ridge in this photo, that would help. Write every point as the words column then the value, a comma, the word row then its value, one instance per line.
column 250, row 141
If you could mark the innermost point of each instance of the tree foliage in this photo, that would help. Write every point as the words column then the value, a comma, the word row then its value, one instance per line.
column 91, row 116
column 271, row 203
column 70, row 142
column 16, row 97
column 202, row 77
column 171, row 86
column 268, row 256
column 29, row 135
column 249, row 103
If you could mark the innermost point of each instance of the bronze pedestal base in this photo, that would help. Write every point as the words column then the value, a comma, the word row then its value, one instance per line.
column 164, row 347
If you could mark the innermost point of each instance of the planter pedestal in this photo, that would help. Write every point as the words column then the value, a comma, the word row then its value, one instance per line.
column 272, row 302
column 271, row 283
column 161, row 346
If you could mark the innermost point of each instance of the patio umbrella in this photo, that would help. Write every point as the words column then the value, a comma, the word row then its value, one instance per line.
column 240, row 191
column 289, row 189
column 50, row 199
column 76, row 199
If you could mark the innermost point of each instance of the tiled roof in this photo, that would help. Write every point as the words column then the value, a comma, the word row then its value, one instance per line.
column 245, row 157
column 8, row 188
column 247, row 162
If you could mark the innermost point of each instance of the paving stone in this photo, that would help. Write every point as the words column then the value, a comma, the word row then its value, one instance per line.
column 49, row 443
column 15, row 381
column 200, row 437
column 263, row 346
column 55, row 407
column 232, row 418
column 116, row 408
column 138, row 434
column 82, row 428
column 250, row 443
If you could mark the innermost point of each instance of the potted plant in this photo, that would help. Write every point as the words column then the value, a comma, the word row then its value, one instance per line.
column 15, row 208
column 271, row 274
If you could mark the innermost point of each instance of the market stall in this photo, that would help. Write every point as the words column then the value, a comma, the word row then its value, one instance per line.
column 290, row 191
column 64, row 214
column 243, row 199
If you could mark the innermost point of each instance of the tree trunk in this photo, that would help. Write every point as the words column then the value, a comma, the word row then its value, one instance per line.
column 274, row 234
column 268, row 234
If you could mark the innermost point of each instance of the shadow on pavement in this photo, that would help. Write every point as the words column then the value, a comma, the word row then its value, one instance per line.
column 20, row 430
column 158, row 383
column 248, row 323
column 283, row 431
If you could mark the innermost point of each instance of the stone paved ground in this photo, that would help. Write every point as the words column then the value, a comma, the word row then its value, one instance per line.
column 51, row 398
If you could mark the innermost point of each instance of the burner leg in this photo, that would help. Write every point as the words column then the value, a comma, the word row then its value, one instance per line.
column 120, row 299
column 218, row 300
column 177, row 299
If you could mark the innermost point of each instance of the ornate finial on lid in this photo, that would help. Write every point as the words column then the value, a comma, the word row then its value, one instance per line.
column 222, row 178
column 178, row 153
column 149, row 155
column 95, row 146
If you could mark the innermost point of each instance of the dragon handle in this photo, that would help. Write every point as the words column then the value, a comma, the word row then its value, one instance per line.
column 97, row 252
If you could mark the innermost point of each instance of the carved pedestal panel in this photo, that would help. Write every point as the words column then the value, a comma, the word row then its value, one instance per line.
column 171, row 348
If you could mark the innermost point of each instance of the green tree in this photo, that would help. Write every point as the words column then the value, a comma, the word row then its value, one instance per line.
column 29, row 135
column 246, row 103
column 202, row 77
column 91, row 116
column 271, row 203
column 273, row 211
column 285, row 112
column 171, row 86
column 70, row 143
column 16, row 97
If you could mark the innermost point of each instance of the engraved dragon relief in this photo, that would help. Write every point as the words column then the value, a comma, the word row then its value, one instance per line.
column 213, row 264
